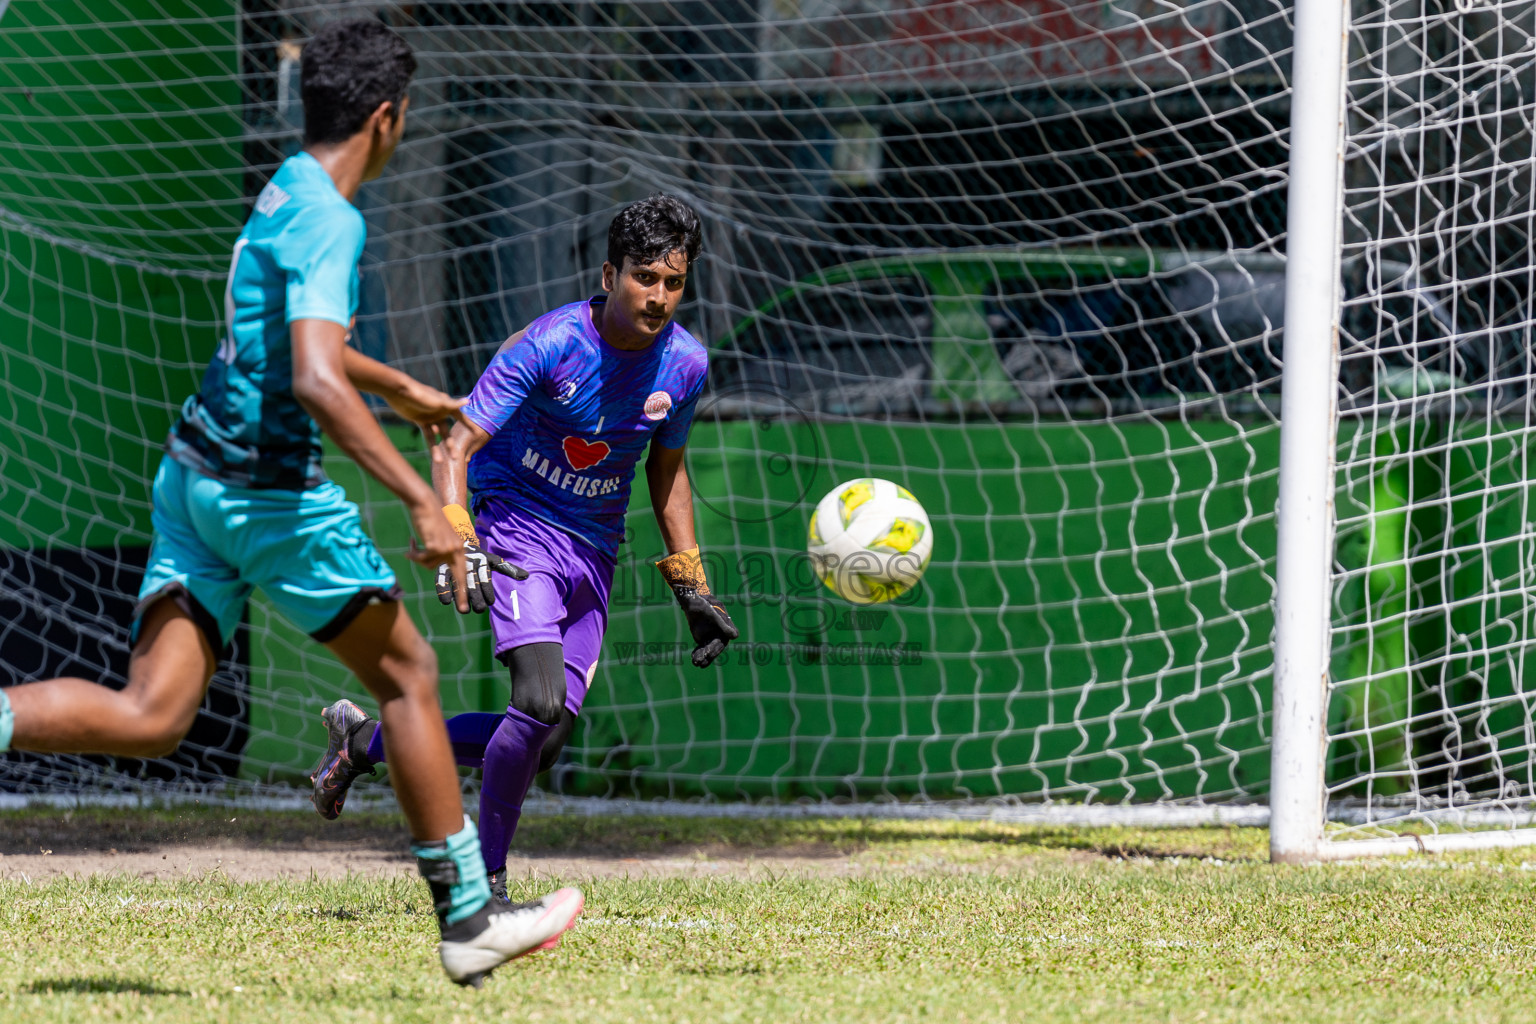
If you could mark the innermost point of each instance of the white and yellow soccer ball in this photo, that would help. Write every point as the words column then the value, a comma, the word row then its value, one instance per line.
column 870, row 540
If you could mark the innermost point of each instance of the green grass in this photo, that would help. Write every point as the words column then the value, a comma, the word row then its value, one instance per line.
column 938, row 921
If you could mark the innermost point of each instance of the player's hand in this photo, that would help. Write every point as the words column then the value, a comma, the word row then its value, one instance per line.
column 472, row 564
column 475, row 566
column 709, row 623
column 426, row 407
column 436, row 540
column 708, row 620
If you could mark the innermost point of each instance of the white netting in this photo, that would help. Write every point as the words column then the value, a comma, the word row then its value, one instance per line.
column 1021, row 256
column 1430, row 711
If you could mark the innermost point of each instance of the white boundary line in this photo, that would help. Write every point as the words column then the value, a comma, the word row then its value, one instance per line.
column 1439, row 842
column 1072, row 815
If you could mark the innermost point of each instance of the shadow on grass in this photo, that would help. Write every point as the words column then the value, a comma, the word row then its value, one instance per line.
column 1223, row 842
column 91, row 829
column 98, row 830
column 338, row 914
column 100, row 986
column 834, row 837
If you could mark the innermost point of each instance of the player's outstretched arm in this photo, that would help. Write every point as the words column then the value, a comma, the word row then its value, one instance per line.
column 321, row 385
column 683, row 569
column 450, row 479
column 411, row 400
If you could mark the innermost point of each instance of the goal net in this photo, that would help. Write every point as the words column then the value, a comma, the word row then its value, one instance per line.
column 1024, row 258
column 1429, row 714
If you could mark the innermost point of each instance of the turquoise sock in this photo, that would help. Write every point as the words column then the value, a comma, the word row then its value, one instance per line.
column 455, row 872
column 7, row 722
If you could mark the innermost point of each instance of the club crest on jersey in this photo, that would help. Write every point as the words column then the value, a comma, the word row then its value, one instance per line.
column 658, row 405
column 584, row 454
column 566, row 393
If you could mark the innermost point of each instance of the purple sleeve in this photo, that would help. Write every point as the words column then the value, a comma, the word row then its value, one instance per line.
column 504, row 385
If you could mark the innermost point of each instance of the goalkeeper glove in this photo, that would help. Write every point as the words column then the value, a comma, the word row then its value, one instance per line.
column 708, row 620
column 478, row 565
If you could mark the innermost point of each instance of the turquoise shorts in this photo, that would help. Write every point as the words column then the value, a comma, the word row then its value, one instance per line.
column 215, row 542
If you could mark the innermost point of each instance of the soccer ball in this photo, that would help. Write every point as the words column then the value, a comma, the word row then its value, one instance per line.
column 870, row 540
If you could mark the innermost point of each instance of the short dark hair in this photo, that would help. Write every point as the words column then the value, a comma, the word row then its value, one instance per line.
column 652, row 229
column 347, row 70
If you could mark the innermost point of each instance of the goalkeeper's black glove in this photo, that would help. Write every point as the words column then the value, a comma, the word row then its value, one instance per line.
column 478, row 565
column 708, row 620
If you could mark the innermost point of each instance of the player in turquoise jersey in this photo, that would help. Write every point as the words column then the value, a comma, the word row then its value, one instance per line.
column 240, row 502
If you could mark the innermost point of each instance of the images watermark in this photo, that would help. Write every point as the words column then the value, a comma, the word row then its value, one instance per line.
column 758, row 466
column 788, row 581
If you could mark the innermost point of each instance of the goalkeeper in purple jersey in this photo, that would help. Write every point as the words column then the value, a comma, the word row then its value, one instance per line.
column 551, row 437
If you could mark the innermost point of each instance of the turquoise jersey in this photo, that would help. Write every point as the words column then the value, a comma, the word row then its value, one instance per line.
column 295, row 260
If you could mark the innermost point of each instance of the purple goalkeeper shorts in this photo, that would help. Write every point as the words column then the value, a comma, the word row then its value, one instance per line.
column 564, row 600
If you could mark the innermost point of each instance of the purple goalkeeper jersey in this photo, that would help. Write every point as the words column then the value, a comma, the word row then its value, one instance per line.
column 569, row 416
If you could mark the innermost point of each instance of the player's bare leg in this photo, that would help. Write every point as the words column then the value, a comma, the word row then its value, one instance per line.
column 169, row 671
column 383, row 647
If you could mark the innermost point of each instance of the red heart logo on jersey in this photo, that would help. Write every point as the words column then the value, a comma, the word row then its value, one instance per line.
column 584, row 454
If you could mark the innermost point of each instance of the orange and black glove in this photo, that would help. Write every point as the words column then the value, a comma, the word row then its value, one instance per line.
column 708, row 620
column 478, row 565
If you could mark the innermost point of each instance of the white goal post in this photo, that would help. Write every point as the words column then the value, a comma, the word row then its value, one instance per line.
column 1308, row 427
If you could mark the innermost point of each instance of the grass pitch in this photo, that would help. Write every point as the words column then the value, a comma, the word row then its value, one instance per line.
column 794, row 920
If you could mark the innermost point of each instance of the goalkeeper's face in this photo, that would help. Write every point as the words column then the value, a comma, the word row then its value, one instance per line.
column 643, row 296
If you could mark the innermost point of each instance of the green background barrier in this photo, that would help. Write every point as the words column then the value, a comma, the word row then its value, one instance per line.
column 1095, row 623
column 120, row 188
column 998, row 676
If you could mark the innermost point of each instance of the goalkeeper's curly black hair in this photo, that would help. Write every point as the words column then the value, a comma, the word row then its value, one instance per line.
column 347, row 70
column 652, row 229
